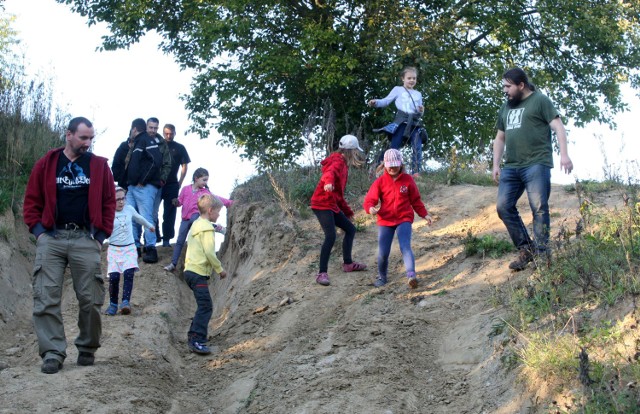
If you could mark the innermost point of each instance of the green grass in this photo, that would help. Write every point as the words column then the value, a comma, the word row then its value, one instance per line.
column 486, row 246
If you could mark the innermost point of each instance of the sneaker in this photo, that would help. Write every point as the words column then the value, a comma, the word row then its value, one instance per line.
column 411, row 280
column 380, row 281
column 199, row 348
column 150, row 255
column 125, row 308
column 353, row 267
column 112, row 309
column 524, row 258
column 170, row 267
column 323, row 279
column 51, row 366
column 85, row 359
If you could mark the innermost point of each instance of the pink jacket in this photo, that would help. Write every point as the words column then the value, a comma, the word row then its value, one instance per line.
column 188, row 199
column 398, row 199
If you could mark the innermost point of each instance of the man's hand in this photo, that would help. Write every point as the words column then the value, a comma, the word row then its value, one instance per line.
column 496, row 175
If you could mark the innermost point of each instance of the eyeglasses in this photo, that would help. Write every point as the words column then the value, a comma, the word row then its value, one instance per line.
column 120, row 199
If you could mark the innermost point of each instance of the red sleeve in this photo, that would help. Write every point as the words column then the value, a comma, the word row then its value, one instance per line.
column 34, row 196
column 416, row 201
column 108, row 200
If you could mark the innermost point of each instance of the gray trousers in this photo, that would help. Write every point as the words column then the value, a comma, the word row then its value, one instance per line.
column 82, row 254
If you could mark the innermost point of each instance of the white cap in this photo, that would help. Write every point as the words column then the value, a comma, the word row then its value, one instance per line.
column 349, row 142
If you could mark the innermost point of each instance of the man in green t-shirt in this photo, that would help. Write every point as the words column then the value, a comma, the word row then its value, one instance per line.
column 525, row 122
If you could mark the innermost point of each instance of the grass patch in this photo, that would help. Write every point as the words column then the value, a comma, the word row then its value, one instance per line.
column 486, row 246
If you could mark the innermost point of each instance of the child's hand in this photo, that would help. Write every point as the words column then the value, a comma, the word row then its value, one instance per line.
column 223, row 274
column 152, row 229
column 175, row 202
column 374, row 210
column 428, row 218
column 372, row 103
column 421, row 108
column 328, row 187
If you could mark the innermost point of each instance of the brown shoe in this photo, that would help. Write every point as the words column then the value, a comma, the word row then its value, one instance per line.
column 524, row 258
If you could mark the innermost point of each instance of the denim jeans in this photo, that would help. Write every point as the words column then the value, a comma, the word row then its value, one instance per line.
column 185, row 225
column 142, row 199
column 416, row 145
column 536, row 180
column 198, row 331
column 329, row 221
column 385, row 238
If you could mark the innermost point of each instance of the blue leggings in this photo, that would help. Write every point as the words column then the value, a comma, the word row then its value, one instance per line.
column 385, row 238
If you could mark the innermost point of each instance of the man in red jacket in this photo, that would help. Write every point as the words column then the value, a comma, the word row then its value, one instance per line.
column 69, row 206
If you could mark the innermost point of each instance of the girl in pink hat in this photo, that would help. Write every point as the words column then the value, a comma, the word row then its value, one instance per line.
column 394, row 197
column 330, row 207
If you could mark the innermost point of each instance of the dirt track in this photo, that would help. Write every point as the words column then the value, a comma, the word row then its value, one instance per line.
column 283, row 344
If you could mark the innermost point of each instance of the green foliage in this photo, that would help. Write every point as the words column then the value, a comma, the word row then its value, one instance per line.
column 263, row 68
column 487, row 245
column 28, row 123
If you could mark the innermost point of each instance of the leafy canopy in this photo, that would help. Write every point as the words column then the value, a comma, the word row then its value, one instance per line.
column 267, row 70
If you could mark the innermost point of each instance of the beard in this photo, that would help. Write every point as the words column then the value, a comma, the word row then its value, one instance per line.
column 514, row 101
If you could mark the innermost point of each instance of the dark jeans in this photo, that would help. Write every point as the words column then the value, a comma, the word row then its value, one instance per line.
column 169, row 192
column 183, row 232
column 397, row 140
column 200, row 323
column 385, row 238
column 329, row 221
column 536, row 180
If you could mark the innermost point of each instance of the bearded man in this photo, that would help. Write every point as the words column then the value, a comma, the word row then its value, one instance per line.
column 524, row 125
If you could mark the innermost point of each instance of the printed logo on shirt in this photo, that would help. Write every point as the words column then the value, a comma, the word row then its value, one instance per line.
column 404, row 189
column 72, row 176
column 514, row 118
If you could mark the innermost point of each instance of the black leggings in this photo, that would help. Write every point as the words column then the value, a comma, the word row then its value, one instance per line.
column 329, row 221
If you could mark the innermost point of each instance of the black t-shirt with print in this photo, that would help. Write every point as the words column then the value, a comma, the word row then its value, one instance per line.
column 179, row 156
column 72, row 186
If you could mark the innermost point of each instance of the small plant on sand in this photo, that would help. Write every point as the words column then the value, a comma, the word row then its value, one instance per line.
column 486, row 246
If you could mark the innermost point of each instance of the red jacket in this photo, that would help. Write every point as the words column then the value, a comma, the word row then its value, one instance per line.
column 334, row 171
column 398, row 199
column 40, row 202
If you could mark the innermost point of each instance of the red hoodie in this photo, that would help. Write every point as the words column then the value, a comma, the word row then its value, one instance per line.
column 334, row 171
column 398, row 199
column 40, row 196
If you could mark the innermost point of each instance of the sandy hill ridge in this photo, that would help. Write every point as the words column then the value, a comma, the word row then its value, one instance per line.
column 283, row 344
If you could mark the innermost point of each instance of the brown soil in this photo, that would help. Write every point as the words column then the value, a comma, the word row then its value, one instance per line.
column 282, row 343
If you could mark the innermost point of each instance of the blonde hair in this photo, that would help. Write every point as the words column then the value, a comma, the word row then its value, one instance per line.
column 208, row 201
column 354, row 157
column 408, row 69
column 380, row 169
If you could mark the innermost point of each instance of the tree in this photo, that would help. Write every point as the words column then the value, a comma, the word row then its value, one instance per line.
column 264, row 67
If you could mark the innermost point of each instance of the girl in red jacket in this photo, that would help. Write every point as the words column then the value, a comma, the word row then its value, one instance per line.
column 398, row 197
column 330, row 207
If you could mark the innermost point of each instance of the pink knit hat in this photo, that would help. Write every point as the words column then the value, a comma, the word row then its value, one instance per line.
column 392, row 158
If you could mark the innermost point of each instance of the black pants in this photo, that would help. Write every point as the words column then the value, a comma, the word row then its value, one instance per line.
column 329, row 221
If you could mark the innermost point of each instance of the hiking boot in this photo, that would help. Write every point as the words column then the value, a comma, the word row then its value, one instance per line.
column 524, row 258
column 85, row 359
column 125, row 308
column 170, row 267
column 199, row 348
column 112, row 309
column 323, row 279
column 150, row 255
column 353, row 267
column 51, row 366
column 380, row 281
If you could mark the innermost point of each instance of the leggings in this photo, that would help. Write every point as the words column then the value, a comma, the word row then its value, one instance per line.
column 127, row 285
column 329, row 221
column 385, row 238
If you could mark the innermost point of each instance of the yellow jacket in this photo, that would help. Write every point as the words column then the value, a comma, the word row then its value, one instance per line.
column 201, row 249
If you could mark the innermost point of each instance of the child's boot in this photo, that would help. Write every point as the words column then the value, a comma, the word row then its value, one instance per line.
column 412, row 281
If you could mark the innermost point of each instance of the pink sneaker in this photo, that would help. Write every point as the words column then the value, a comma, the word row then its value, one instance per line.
column 323, row 279
column 353, row 267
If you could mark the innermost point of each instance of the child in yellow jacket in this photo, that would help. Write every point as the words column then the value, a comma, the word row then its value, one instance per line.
column 200, row 261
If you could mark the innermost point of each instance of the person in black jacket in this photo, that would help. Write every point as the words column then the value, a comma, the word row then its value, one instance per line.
column 123, row 153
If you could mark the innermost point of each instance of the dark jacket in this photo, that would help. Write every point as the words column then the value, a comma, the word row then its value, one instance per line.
column 119, row 164
column 146, row 162
column 40, row 199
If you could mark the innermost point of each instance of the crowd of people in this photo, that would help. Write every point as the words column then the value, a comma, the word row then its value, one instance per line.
column 72, row 205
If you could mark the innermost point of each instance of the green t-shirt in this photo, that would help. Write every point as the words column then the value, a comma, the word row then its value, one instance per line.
column 527, row 131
